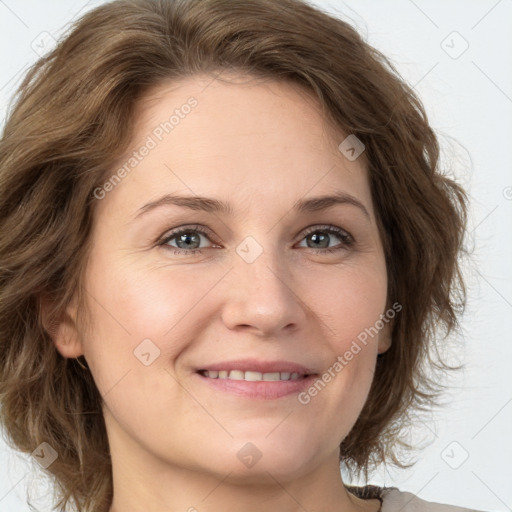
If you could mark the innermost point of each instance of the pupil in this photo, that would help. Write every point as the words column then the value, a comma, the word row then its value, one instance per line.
column 321, row 238
column 185, row 238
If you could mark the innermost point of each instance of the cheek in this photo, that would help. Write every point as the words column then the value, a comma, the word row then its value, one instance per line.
column 349, row 304
column 349, row 301
column 131, row 303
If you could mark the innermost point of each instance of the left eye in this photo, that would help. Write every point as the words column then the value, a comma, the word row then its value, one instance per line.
column 323, row 234
column 188, row 240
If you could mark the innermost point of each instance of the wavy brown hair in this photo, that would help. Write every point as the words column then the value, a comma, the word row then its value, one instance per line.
column 73, row 118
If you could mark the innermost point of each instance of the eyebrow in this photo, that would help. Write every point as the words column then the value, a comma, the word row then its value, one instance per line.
column 211, row 205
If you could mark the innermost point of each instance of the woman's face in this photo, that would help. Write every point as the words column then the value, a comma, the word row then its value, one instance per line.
column 261, row 285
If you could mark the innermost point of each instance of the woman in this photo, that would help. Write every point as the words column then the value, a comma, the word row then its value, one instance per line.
column 233, row 214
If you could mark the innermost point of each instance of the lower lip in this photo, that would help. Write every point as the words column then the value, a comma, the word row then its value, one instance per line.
column 266, row 390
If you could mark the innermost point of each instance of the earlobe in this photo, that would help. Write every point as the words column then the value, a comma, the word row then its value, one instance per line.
column 63, row 332
column 385, row 339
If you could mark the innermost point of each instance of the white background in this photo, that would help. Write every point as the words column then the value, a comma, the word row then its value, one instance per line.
column 468, row 98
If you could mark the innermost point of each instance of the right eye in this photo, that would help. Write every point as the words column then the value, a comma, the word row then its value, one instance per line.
column 188, row 239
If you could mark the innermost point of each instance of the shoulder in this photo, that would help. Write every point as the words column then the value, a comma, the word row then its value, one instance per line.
column 394, row 500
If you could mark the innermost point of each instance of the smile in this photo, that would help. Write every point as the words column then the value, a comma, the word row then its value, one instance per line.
column 255, row 385
column 252, row 376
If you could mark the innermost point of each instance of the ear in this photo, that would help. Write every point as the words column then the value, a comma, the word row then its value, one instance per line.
column 385, row 338
column 64, row 331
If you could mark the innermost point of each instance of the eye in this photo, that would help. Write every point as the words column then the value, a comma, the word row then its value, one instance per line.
column 320, row 237
column 187, row 239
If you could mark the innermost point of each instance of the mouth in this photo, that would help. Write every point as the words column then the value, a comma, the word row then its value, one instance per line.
column 253, row 376
column 253, row 385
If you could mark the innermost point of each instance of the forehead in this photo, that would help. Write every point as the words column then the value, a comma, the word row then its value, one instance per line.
column 238, row 105
column 242, row 138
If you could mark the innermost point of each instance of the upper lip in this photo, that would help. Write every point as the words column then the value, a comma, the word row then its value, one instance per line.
column 259, row 366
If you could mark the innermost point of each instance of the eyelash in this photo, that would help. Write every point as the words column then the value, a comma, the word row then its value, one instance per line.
column 347, row 239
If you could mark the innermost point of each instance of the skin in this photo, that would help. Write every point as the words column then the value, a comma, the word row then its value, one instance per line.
column 260, row 146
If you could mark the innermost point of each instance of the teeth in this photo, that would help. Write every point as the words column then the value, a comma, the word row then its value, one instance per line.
column 251, row 376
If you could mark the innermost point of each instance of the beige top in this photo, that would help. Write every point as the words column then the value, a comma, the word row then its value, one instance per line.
column 394, row 500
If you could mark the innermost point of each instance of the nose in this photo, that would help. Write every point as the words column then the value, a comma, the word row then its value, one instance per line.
column 262, row 297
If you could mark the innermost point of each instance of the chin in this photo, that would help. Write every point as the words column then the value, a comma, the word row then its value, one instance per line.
column 251, row 462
